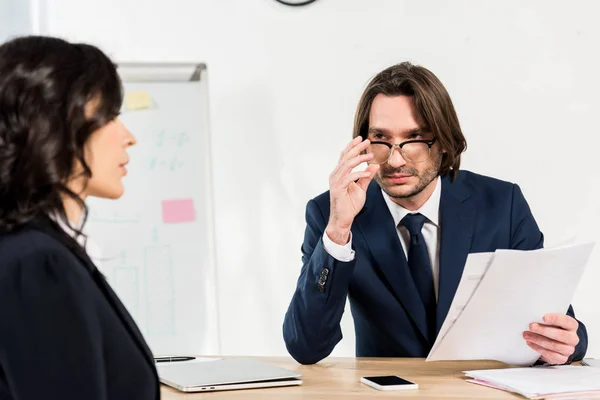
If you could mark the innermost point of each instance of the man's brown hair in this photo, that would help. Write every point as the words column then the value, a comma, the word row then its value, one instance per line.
column 432, row 103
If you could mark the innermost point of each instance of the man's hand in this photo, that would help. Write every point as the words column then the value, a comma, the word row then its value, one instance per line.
column 555, row 340
column 348, row 190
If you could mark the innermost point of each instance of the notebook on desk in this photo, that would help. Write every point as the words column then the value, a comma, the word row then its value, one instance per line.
column 228, row 374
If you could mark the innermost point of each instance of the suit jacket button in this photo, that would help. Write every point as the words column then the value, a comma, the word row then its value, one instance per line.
column 321, row 286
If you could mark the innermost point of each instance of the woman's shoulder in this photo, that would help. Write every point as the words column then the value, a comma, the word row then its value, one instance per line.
column 29, row 247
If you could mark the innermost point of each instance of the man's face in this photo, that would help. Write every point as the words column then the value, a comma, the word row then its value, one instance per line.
column 392, row 120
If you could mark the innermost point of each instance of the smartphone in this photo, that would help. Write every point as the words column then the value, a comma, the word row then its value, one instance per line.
column 390, row 382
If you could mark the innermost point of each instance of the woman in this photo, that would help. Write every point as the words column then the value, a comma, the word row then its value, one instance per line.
column 64, row 334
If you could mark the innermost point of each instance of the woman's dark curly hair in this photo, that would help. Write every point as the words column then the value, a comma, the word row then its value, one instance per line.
column 46, row 87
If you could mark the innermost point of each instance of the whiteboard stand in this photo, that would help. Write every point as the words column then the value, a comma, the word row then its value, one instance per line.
column 158, row 241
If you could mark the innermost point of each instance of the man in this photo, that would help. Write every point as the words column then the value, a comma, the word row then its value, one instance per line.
column 397, row 246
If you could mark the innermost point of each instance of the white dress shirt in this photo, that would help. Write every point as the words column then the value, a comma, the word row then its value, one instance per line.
column 90, row 247
column 430, row 231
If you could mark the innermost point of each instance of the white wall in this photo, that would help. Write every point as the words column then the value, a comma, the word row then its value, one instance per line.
column 284, row 83
column 14, row 18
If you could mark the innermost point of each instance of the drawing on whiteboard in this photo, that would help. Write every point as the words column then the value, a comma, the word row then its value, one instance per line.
column 172, row 164
column 180, row 138
column 155, row 234
column 160, row 138
column 114, row 217
column 160, row 290
column 175, row 164
column 126, row 283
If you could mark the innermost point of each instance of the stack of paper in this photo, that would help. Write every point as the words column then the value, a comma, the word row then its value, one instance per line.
column 500, row 294
column 542, row 382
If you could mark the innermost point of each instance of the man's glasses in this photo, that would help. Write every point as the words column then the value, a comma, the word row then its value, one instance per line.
column 412, row 150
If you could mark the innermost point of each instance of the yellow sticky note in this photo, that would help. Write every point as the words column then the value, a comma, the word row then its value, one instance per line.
column 137, row 101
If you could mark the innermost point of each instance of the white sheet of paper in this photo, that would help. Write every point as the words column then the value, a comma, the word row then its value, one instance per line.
column 474, row 271
column 531, row 382
column 519, row 287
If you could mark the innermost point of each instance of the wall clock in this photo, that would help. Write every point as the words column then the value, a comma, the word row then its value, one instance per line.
column 295, row 3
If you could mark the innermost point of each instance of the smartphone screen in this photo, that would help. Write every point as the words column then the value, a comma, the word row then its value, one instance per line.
column 388, row 380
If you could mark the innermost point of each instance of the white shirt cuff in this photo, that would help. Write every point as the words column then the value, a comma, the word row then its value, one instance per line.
column 341, row 253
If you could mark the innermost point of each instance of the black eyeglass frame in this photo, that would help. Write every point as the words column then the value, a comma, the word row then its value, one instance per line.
column 391, row 146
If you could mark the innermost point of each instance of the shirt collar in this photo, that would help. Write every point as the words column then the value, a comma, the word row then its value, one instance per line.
column 431, row 208
column 68, row 229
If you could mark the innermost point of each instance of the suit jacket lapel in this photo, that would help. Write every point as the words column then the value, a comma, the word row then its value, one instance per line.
column 125, row 317
column 377, row 227
column 47, row 226
column 457, row 220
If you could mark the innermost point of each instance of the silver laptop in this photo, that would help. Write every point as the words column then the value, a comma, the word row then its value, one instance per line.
column 227, row 374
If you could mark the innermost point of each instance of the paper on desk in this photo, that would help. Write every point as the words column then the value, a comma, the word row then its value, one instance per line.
column 518, row 288
column 475, row 269
column 541, row 381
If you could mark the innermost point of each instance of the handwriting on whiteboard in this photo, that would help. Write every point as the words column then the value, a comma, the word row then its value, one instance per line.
column 179, row 139
column 172, row 164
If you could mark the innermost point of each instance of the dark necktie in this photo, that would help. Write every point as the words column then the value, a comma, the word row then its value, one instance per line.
column 420, row 268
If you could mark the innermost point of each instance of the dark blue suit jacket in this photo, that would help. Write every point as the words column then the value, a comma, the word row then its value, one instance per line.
column 64, row 334
column 477, row 214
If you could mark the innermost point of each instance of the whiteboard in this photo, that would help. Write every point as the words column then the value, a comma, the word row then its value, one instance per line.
column 156, row 243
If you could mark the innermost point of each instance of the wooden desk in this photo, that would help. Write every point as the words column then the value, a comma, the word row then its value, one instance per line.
column 339, row 378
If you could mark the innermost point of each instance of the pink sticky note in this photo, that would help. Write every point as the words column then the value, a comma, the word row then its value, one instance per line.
column 175, row 211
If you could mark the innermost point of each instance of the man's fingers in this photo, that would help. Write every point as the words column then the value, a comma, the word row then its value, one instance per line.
column 556, row 333
column 549, row 344
column 562, row 320
column 354, row 176
column 356, row 150
column 349, row 146
column 355, row 162
column 357, row 140
column 346, row 167
column 547, row 355
column 364, row 182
